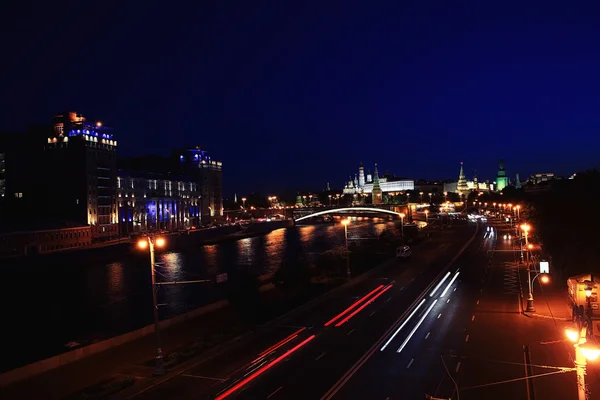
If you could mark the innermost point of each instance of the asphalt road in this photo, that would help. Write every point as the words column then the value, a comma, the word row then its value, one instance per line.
column 305, row 366
column 470, row 345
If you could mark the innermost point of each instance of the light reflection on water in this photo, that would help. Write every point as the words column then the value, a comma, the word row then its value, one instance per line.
column 115, row 281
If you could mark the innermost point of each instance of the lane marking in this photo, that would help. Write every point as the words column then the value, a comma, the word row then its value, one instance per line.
column 275, row 392
column 373, row 313
column 439, row 316
column 203, row 377
column 467, row 338
column 455, row 289
column 428, row 333
column 317, row 359
column 473, row 317
column 389, row 298
column 350, row 333
column 402, row 288
column 410, row 363
column 477, row 302
column 457, row 366
column 448, row 301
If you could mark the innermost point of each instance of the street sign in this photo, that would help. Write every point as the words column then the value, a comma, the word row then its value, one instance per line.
column 222, row 277
column 544, row 267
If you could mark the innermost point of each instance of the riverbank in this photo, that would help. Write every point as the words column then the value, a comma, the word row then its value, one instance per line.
column 174, row 241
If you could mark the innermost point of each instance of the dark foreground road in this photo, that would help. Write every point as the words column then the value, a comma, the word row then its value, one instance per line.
column 303, row 355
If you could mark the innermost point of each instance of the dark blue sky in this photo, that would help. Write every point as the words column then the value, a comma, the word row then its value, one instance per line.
column 297, row 93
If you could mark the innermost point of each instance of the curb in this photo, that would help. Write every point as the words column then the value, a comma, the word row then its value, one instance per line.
column 535, row 315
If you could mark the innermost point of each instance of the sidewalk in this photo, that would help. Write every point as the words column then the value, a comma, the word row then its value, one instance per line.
column 552, row 305
column 550, row 299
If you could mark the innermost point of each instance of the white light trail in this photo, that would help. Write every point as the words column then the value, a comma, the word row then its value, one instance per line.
column 450, row 284
column 440, row 284
column 402, row 326
column 410, row 335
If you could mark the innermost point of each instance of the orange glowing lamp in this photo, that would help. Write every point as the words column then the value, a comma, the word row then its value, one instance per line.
column 143, row 243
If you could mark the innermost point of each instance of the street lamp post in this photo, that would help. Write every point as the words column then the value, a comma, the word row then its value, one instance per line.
column 583, row 352
column 345, row 223
column 530, row 307
column 421, row 194
column 150, row 242
column 402, row 215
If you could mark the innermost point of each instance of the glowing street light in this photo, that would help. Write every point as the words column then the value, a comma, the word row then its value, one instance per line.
column 583, row 351
column 150, row 242
column 402, row 215
column 345, row 222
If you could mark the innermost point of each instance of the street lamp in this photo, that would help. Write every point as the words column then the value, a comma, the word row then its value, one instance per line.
column 243, row 202
column 530, row 307
column 151, row 242
column 345, row 222
column 402, row 215
column 583, row 351
column 421, row 194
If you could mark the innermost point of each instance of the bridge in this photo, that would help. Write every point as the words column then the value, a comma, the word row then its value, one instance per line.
column 302, row 214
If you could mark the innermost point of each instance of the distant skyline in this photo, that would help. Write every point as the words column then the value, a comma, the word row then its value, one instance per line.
column 295, row 95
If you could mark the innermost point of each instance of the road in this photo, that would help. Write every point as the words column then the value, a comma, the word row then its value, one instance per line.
column 471, row 342
column 247, row 373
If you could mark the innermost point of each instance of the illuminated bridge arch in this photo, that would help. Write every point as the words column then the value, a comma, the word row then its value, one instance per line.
column 334, row 210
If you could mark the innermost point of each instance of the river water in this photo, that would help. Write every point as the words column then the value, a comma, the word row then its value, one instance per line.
column 51, row 301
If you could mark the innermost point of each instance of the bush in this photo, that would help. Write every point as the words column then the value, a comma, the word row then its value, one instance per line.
column 332, row 263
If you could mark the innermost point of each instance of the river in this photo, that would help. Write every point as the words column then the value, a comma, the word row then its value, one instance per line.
column 53, row 300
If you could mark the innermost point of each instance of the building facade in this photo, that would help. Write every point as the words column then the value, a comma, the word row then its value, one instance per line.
column 81, row 174
column 363, row 184
column 197, row 165
column 44, row 240
column 501, row 179
column 464, row 186
column 148, row 202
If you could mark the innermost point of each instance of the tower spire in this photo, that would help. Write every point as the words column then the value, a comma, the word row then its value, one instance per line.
column 377, row 192
column 461, row 186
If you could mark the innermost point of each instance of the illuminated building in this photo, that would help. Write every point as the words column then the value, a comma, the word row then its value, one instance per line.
column 198, row 166
column 81, row 174
column 360, row 185
column 501, row 179
column 186, row 166
column 150, row 201
column 463, row 186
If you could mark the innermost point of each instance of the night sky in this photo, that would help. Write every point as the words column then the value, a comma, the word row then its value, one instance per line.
column 295, row 94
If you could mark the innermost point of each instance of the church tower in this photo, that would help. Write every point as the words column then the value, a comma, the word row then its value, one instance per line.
column 361, row 176
column 376, row 193
column 501, row 179
column 517, row 181
column 461, row 186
